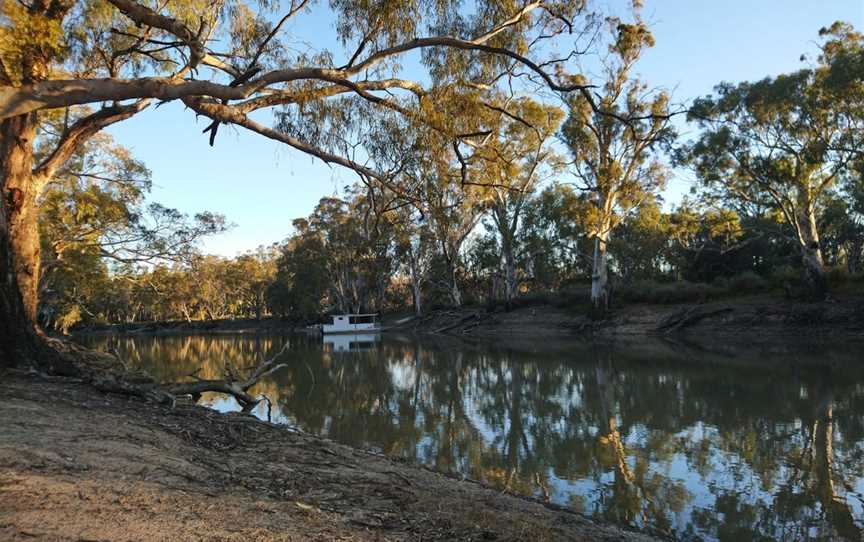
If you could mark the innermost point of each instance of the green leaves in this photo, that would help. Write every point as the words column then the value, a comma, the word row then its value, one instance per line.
column 28, row 39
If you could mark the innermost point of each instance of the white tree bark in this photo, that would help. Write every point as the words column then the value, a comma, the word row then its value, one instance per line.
column 811, row 252
column 416, row 282
column 600, row 273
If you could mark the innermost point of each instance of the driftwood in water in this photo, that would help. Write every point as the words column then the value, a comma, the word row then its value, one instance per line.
column 232, row 384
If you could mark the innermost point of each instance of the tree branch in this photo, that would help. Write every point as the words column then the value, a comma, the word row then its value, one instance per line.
column 60, row 93
column 78, row 134
column 230, row 115
column 143, row 15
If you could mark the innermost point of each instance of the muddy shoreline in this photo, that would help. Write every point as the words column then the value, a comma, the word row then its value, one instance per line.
column 80, row 464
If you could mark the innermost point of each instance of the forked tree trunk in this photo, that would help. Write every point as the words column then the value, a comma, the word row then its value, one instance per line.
column 20, row 342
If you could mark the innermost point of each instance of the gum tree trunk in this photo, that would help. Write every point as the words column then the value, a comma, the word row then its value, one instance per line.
column 811, row 254
column 453, row 272
column 507, row 224
column 853, row 255
column 455, row 292
column 600, row 274
column 600, row 265
column 20, row 342
column 418, row 304
column 416, row 279
column 510, row 284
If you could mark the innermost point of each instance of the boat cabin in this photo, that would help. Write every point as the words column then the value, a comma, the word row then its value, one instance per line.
column 352, row 323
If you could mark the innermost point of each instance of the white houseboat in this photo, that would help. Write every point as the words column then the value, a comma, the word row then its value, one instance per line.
column 353, row 323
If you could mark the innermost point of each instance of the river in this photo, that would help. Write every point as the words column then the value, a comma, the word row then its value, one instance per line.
column 724, row 443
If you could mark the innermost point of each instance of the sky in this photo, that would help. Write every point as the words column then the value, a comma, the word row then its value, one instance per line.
column 261, row 185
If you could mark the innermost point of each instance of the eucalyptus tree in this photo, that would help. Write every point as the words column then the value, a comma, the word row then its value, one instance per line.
column 640, row 244
column 842, row 224
column 447, row 201
column 415, row 245
column 92, row 215
column 301, row 281
column 555, row 236
column 369, row 206
column 509, row 165
column 854, row 190
column 785, row 141
column 226, row 61
column 255, row 271
column 488, row 160
column 615, row 153
column 399, row 144
column 704, row 243
column 454, row 211
column 344, row 251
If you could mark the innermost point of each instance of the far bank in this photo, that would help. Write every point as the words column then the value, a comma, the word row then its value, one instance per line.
column 533, row 319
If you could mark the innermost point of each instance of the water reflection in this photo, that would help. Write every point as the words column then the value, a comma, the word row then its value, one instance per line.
column 350, row 342
column 731, row 446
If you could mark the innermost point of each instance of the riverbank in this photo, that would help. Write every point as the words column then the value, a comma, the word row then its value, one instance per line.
column 80, row 464
column 741, row 317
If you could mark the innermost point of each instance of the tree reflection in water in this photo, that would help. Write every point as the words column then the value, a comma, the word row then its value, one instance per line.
column 737, row 446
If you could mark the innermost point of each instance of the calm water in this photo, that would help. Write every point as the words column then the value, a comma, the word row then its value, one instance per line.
column 759, row 443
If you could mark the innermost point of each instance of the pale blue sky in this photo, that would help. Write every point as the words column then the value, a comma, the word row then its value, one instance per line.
column 261, row 185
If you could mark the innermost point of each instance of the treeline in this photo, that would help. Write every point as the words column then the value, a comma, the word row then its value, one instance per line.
column 536, row 200
column 343, row 259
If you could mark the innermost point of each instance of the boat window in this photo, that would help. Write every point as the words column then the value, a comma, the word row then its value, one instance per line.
column 362, row 319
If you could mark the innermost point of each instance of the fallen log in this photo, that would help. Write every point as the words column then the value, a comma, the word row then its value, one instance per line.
column 232, row 384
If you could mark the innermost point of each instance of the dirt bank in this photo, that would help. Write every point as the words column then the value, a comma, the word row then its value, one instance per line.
column 79, row 464
column 753, row 316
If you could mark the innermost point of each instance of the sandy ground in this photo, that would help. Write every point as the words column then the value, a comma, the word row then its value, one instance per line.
column 80, row 465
